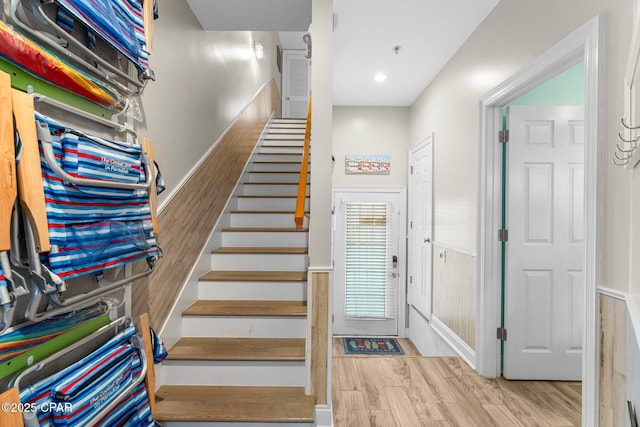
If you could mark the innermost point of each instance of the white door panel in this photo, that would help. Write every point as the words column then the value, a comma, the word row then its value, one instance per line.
column 421, row 226
column 367, row 279
column 295, row 84
column 545, row 250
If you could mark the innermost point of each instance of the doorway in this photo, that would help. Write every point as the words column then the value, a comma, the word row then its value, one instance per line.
column 369, row 261
column 295, row 83
column 582, row 45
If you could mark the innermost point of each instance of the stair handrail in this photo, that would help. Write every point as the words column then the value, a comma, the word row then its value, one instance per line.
column 304, row 170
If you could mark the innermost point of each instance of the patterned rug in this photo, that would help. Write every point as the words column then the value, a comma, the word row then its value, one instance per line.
column 356, row 345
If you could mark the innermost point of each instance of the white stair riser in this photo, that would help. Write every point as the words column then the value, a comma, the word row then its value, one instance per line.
column 286, row 129
column 283, row 142
column 278, row 157
column 293, row 177
column 233, row 373
column 265, row 239
column 270, row 166
column 275, row 149
column 300, row 124
column 281, row 220
column 267, row 291
column 269, row 203
column 234, row 424
column 252, row 189
column 245, row 327
column 283, row 136
column 259, row 262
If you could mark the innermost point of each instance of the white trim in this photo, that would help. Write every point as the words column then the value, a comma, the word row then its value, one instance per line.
column 197, row 165
column 320, row 269
column 583, row 44
column 613, row 293
column 324, row 416
column 454, row 249
column 451, row 338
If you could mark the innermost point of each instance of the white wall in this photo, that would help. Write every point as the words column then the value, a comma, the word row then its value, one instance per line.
column 203, row 80
column 510, row 37
column 371, row 130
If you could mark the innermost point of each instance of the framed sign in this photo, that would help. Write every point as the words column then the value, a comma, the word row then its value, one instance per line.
column 364, row 164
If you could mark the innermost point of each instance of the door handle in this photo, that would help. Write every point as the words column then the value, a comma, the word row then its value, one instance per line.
column 427, row 240
column 394, row 260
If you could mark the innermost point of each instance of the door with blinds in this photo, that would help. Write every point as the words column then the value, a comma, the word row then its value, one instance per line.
column 368, row 262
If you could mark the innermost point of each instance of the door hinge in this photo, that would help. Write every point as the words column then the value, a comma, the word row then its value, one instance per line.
column 503, row 136
column 333, row 319
column 411, row 279
column 411, row 224
column 411, row 168
column 503, row 235
column 502, row 334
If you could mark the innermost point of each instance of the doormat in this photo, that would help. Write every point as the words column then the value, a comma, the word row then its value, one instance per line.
column 355, row 345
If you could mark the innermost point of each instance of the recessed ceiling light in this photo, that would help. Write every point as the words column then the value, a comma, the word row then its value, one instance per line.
column 380, row 77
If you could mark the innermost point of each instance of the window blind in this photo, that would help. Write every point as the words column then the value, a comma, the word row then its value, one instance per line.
column 369, row 286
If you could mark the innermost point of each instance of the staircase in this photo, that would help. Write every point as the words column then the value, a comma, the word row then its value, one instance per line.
column 241, row 360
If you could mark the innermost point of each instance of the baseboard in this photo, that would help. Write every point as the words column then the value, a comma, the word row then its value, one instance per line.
column 324, row 416
column 458, row 345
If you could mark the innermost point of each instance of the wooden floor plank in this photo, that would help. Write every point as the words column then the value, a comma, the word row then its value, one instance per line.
column 246, row 308
column 352, row 411
column 445, row 391
column 238, row 349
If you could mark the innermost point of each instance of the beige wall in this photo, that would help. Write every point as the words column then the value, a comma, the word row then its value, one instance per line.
column 509, row 38
column 371, row 130
column 203, row 81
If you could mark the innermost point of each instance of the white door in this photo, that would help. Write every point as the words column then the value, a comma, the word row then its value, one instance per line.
column 420, row 225
column 368, row 262
column 295, row 84
column 545, row 249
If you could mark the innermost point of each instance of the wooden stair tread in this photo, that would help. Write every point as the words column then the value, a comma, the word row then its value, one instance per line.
column 233, row 404
column 261, row 229
column 281, row 146
column 246, row 308
column 238, row 349
column 260, row 250
column 272, row 183
column 276, row 162
column 256, row 276
column 276, row 172
column 266, row 196
column 253, row 212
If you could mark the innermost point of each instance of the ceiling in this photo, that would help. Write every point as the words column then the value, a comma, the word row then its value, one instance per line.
column 428, row 33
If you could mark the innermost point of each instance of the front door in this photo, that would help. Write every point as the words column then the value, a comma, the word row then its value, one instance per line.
column 420, row 225
column 368, row 262
column 545, row 252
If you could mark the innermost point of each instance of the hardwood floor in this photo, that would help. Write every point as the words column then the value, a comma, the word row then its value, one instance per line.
column 413, row 391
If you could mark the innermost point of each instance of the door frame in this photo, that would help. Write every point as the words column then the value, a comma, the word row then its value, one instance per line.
column 585, row 44
column 402, row 244
column 429, row 140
